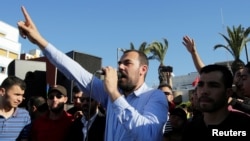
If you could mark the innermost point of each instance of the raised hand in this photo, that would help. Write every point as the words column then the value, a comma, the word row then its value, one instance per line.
column 189, row 44
column 191, row 47
column 27, row 29
column 110, row 82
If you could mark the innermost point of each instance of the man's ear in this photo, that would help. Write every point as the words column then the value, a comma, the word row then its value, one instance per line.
column 229, row 92
column 144, row 69
column 65, row 99
column 2, row 91
column 34, row 108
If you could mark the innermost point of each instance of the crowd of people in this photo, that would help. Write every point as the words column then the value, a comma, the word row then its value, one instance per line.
column 124, row 108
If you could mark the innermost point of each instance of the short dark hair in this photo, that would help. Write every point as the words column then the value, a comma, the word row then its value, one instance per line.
column 180, row 113
column 227, row 75
column 165, row 85
column 75, row 90
column 13, row 80
column 142, row 56
column 36, row 100
column 236, row 65
column 39, row 102
column 248, row 67
column 143, row 59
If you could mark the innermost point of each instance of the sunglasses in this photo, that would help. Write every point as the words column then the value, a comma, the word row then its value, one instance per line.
column 87, row 99
column 167, row 93
column 77, row 97
column 58, row 96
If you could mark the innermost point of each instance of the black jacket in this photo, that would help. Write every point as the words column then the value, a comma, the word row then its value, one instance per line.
column 95, row 133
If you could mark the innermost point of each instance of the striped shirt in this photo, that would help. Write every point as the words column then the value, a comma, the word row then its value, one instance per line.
column 167, row 128
column 16, row 126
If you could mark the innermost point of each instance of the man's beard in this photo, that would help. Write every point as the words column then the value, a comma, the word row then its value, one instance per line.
column 214, row 105
column 126, row 87
column 58, row 109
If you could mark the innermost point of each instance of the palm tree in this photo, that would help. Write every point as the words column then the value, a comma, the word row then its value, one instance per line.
column 236, row 41
column 158, row 51
column 143, row 48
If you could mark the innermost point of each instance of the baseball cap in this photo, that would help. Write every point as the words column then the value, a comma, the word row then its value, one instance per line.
column 179, row 112
column 58, row 88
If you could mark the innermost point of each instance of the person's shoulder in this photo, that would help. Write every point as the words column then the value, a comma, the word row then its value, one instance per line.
column 68, row 116
column 167, row 128
column 238, row 120
column 149, row 92
column 195, row 122
column 72, row 110
column 246, row 100
column 100, row 114
column 157, row 92
column 100, row 119
column 22, row 111
column 194, row 128
column 239, row 115
column 41, row 121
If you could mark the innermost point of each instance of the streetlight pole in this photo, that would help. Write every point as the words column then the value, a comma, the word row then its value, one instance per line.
column 117, row 54
column 246, row 52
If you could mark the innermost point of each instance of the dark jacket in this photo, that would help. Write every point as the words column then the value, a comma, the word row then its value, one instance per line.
column 95, row 133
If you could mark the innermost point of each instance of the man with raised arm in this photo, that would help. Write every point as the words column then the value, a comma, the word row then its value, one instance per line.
column 134, row 111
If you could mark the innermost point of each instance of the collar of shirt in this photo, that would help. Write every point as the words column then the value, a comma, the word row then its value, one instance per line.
column 143, row 88
column 15, row 112
column 90, row 121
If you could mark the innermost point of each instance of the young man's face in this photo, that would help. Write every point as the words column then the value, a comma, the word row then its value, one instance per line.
column 211, row 92
column 89, row 104
column 245, row 82
column 132, row 71
column 13, row 96
column 168, row 93
column 77, row 100
column 237, row 77
column 56, row 101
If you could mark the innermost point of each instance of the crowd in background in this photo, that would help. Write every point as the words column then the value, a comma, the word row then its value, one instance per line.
column 123, row 107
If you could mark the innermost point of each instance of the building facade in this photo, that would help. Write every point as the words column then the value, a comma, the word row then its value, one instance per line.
column 10, row 48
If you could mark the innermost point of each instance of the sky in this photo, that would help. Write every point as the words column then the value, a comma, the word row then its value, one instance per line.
column 99, row 27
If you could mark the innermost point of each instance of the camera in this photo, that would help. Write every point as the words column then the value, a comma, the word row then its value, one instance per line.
column 166, row 69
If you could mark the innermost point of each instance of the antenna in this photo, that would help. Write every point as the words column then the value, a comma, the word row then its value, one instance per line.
column 222, row 19
column 224, row 31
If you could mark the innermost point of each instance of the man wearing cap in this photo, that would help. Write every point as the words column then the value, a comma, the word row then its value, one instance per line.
column 178, row 121
column 54, row 125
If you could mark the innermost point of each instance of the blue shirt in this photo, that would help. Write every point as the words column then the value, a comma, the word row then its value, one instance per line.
column 138, row 117
column 16, row 126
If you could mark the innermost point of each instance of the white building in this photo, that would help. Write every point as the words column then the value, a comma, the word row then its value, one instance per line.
column 10, row 48
column 183, row 84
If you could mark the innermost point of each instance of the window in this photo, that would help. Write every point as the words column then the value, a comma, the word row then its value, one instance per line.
column 2, row 69
column 2, row 34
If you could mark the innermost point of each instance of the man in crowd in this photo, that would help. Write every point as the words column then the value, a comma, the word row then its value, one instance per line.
column 53, row 126
column 90, row 126
column 14, row 121
column 213, row 90
column 77, row 95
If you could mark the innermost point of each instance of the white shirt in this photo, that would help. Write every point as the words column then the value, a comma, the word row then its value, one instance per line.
column 86, row 125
